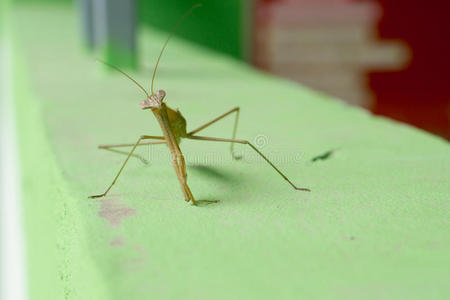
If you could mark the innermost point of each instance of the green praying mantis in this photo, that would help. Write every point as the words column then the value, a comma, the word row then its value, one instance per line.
column 173, row 127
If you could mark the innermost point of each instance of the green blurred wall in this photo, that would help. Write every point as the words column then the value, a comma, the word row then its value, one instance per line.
column 219, row 24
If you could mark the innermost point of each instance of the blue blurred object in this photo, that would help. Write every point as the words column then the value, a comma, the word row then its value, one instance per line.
column 109, row 26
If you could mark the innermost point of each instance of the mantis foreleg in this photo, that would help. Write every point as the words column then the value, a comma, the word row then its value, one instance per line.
column 144, row 137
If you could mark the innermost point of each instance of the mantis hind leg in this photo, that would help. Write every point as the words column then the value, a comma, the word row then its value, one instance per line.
column 213, row 139
column 233, row 136
column 144, row 137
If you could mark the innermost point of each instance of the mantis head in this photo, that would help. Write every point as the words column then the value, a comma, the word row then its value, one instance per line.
column 153, row 101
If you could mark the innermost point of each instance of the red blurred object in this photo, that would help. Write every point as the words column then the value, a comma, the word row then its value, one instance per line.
column 419, row 94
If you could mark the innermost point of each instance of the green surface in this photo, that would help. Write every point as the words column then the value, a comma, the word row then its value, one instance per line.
column 376, row 224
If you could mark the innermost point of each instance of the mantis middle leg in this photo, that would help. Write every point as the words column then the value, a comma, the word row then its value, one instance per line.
column 236, row 120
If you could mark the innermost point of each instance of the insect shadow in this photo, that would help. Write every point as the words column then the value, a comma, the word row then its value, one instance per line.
column 216, row 175
column 211, row 172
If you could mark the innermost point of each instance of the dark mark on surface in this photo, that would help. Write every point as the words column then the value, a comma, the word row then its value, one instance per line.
column 323, row 156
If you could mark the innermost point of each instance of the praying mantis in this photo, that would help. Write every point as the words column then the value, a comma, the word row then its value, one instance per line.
column 173, row 127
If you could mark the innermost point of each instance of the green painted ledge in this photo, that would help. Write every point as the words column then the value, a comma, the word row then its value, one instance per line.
column 375, row 226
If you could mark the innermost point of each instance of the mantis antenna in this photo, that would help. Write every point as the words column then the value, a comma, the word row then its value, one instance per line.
column 168, row 39
column 128, row 76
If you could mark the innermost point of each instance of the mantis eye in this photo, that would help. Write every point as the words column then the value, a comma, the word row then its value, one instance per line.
column 160, row 95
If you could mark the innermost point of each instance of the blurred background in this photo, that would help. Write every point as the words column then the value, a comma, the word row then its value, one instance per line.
column 388, row 56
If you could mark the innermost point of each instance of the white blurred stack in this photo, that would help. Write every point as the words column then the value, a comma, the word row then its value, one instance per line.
column 328, row 45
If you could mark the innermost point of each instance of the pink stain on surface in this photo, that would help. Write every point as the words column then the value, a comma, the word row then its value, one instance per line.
column 114, row 212
column 117, row 242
